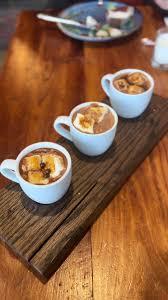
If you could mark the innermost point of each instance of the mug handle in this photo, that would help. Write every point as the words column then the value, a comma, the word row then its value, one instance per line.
column 7, row 169
column 105, row 82
column 63, row 120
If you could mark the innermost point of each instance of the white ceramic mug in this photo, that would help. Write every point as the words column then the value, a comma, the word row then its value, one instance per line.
column 44, row 194
column 89, row 144
column 126, row 105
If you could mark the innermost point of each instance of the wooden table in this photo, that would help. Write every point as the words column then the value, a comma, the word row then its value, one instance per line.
column 125, row 254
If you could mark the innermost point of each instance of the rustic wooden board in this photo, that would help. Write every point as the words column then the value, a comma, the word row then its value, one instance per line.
column 43, row 236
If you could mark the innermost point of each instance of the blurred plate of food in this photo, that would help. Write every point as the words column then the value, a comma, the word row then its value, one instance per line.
column 113, row 20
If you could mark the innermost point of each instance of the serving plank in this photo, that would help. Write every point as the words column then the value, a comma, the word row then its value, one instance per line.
column 43, row 236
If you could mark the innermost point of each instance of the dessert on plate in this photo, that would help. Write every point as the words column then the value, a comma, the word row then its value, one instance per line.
column 119, row 16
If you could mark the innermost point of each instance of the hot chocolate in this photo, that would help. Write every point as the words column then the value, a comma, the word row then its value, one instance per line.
column 43, row 166
column 93, row 119
column 133, row 83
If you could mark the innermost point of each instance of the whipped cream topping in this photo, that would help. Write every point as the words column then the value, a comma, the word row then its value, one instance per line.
column 82, row 123
column 59, row 166
column 54, row 163
column 99, row 113
column 88, row 117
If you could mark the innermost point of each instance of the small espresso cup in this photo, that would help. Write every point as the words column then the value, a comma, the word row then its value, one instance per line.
column 44, row 194
column 89, row 144
column 127, row 105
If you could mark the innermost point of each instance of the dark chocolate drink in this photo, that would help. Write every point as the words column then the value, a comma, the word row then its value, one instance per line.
column 43, row 166
column 93, row 119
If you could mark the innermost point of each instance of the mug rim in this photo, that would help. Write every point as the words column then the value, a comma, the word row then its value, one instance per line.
column 83, row 104
column 132, row 71
column 38, row 146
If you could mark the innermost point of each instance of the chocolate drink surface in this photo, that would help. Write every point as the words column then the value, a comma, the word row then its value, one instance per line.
column 132, row 83
column 93, row 119
column 43, row 166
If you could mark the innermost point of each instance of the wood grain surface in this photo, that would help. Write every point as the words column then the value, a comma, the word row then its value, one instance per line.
column 43, row 236
column 124, row 256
